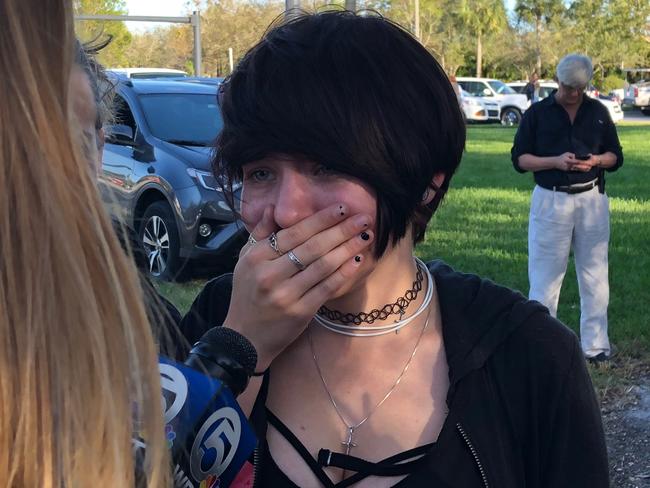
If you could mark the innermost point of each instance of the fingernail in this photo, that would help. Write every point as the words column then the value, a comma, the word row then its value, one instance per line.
column 365, row 236
column 361, row 221
column 357, row 259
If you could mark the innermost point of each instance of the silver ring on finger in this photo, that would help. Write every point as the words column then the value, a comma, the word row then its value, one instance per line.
column 294, row 259
column 273, row 242
column 251, row 240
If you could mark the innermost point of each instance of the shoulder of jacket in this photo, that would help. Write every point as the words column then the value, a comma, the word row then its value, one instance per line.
column 545, row 343
column 222, row 283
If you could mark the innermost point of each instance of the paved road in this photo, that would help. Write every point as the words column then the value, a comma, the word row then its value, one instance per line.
column 636, row 116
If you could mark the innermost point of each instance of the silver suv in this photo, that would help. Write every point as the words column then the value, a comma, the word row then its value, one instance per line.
column 156, row 175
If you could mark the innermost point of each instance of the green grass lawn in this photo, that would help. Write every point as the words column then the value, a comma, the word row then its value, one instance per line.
column 482, row 228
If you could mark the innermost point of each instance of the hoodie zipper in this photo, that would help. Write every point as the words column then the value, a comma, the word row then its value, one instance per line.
column 256, row 464
column 474, row 454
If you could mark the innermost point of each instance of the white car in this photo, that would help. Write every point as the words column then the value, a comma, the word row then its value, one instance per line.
column 547, row 87
column 477, row 109
column 149, row 72
column 512, row 104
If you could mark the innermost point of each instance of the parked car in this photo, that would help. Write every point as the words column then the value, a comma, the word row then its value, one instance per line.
column 146, row 73
column 477, row 109
column 638, row 95
column 547, row 87
column 156, row 174
column 512, row 104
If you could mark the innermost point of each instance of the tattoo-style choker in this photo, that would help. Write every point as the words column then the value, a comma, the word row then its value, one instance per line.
column 324, row 316
column 398, row 307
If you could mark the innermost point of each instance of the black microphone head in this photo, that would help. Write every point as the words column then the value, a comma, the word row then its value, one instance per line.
column 223, row 341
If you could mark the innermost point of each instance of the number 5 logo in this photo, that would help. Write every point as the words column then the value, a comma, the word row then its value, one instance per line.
column 226, row 423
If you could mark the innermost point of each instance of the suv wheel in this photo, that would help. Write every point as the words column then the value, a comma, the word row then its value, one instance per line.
column 160, row 240
column 510, row 116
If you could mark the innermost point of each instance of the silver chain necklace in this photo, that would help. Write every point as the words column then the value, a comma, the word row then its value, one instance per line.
column 349, row 442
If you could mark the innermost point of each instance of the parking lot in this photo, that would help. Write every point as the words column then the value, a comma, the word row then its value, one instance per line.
column 636, row 116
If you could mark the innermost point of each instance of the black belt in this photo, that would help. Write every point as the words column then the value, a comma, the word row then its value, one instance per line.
column 577, row 188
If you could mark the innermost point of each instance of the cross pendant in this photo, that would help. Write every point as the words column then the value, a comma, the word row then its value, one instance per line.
column 349, row 444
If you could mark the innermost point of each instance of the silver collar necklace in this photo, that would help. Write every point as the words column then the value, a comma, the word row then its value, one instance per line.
column 372, row 331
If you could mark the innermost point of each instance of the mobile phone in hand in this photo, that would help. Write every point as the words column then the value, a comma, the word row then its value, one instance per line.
column 583, row 157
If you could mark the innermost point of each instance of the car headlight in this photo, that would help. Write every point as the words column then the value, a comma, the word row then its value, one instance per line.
column 472, row 103
column 208, row 181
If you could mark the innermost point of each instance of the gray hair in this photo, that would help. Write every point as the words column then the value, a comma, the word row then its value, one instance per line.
column 574, row 70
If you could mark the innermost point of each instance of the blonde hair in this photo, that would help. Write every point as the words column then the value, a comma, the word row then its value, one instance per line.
column 78, row 369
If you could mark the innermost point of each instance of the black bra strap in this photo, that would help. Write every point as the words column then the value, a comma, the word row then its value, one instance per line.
column 385, row 467
column 300, row 448
column 361, row 467
column 358, row 465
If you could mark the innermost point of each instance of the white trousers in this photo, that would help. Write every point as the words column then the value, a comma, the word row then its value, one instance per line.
column 557, row 222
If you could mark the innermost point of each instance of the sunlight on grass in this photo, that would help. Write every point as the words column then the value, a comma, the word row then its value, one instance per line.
column 482, row 228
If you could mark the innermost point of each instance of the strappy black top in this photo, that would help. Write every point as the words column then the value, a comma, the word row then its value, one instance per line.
column 269, row 473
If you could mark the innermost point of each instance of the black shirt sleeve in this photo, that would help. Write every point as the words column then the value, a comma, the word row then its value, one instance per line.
column 612, row 144
column 524, row 139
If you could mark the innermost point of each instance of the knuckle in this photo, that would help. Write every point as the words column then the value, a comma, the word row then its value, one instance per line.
column 320, row 266
column 281, row 299
column 311, row 248
column 331, row 284
column 265, row 280
column 289, row 237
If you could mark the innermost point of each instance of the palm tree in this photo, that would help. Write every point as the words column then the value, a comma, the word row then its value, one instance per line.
column 536, row 13
column 482, row 17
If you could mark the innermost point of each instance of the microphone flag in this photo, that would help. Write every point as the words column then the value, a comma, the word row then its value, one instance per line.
column 208, row 434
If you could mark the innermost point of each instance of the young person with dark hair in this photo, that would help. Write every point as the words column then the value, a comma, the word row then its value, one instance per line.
column 375, row 368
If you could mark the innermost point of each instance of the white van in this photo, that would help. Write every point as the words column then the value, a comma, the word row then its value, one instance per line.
column 513, row 105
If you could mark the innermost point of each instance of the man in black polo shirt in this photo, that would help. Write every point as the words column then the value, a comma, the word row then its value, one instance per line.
column 568, row 141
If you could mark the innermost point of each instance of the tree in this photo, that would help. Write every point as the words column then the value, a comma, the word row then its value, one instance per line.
column 611, row 32
column 438, row 30
column 539, row 14
column 482, row 17
column 114, row 54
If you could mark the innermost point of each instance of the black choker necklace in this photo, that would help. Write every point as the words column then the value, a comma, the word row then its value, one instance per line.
column 396, row 308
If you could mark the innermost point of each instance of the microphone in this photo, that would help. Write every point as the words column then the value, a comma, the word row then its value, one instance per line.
column 226, row 355
column 208, row 434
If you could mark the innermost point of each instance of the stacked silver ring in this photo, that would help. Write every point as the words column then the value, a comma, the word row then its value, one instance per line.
column 294, row 259
column 273, row 242
column 251, row 240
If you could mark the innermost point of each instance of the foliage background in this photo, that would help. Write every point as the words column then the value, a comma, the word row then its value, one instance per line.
column 468, row 37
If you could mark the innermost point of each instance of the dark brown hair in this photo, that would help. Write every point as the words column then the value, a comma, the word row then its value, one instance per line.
column 357, row 94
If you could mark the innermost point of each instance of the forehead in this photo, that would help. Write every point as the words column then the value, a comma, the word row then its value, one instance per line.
column 570, row 87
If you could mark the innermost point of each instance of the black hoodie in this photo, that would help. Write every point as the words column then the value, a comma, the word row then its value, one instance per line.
column 522, row 409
